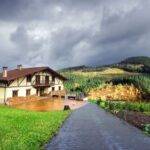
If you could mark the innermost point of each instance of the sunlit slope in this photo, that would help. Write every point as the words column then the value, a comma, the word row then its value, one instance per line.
column 108, row 72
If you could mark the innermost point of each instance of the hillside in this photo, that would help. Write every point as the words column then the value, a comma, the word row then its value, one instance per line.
column 135, row 64
column 139, row 60
column 107, row 73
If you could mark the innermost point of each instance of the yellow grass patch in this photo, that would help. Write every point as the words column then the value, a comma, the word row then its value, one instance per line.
column 116, row 92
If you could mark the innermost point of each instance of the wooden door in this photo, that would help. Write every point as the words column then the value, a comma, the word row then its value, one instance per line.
column 41, row 91
column 37, row 79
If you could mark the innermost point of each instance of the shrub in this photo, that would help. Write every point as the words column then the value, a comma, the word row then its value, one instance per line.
column 102, row 104
column 139, row 107
column 147, row 128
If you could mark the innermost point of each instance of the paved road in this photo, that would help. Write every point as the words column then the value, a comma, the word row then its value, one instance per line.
column 92, row 128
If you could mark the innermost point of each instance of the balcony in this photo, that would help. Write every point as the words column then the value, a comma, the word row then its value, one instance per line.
column 42, row 83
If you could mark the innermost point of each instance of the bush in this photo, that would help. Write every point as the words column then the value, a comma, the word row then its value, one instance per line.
column 102, row 104
column 147, row 128
column 138, row 107
column 98, row 102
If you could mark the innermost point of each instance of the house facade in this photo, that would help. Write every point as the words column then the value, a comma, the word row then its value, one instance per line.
column 22, row 82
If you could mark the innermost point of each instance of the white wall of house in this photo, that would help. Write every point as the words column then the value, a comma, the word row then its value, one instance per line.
column 2, row 92
column 58, row 83
column 21, row 91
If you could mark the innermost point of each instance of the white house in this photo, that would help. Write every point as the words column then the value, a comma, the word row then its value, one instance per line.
column 29, row 81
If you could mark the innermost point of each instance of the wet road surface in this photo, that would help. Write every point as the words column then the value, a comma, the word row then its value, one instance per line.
column 92, row 128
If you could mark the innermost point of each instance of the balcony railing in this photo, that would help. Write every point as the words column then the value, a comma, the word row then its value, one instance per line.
column 43, row 83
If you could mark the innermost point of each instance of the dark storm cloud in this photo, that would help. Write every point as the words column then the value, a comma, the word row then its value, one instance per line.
column 64, row 33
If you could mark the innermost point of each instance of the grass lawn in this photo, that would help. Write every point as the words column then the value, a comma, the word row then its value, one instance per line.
column 26, row 130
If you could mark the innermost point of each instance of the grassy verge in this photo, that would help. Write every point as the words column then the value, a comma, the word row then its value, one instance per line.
column 139, row 107
column 92, row 101
column 24, row 130
column 137, row 114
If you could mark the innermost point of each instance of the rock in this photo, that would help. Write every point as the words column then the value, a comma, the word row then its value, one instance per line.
column 66, row 107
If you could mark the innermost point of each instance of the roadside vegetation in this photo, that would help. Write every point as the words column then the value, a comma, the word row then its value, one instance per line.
column 24, row 130
column 120, row 106
column 137, row 114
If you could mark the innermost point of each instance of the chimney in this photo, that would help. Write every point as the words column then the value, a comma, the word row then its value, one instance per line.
column 19, row 67
column 5, row 72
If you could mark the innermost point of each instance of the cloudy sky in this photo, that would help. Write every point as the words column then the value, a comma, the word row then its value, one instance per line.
column 62, row 33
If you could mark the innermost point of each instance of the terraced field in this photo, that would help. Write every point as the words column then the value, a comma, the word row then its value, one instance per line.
column 108, row 73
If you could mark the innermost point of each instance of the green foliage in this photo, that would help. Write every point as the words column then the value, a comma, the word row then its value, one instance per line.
column 102, row 104
column 81, row 84
column 142, row 82
column 139, row 107
column 132, row 68
column 26, row 130
column 93, row 101
column 147, row 128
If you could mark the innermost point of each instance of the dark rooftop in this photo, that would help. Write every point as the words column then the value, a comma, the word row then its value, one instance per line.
column 16, row 73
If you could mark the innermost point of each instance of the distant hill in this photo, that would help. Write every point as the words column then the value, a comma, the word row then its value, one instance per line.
column 131, row 64
column 135, row 64
column 143, row 60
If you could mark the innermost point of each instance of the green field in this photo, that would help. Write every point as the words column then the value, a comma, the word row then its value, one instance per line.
column 81, row 84
column 26, row 130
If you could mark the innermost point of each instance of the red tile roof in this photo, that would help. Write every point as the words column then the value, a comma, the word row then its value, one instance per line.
column 14, row 74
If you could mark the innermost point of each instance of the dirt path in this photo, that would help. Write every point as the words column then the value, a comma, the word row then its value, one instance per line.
column 92, row 128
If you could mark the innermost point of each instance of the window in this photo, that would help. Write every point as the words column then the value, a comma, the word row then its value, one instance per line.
column 15, row 93
column 53, row 78
column 28, row 92
column 29, row 78
column 53, row 88
column 46, row 79
column 59, row 87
